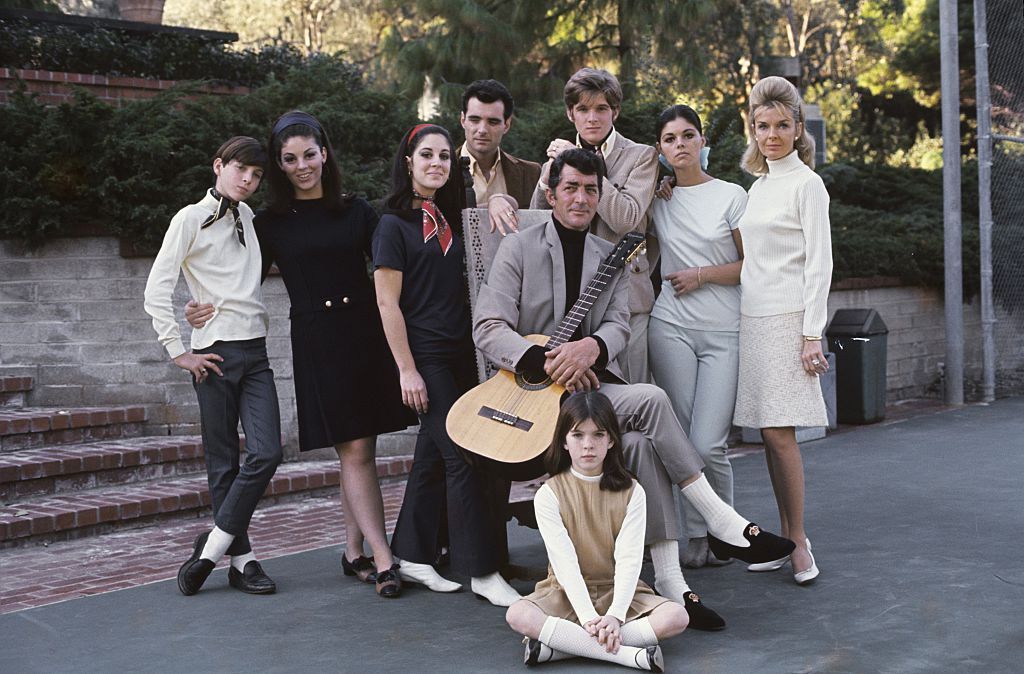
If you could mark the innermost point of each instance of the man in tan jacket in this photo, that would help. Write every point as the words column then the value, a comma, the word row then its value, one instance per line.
column 593, row 99
column 502, row 183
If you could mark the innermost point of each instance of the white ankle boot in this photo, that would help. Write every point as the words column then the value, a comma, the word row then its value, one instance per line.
column 494, row 589
column 424, row 574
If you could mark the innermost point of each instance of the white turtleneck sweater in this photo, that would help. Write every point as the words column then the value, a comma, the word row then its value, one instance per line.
column 787, row 245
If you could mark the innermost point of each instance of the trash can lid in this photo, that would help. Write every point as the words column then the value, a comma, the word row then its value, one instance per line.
column 847, row 322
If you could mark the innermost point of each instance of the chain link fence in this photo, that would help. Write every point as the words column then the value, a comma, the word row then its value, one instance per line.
column 1004, row 326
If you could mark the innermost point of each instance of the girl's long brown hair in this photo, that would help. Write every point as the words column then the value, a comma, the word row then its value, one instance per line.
column 576, row 409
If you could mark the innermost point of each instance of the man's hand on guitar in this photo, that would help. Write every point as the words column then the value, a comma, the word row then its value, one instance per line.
column 414, row 391
column 570, row 363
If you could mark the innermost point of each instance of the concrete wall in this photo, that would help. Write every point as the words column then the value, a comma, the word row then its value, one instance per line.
column 71, row 316
column 917, row 337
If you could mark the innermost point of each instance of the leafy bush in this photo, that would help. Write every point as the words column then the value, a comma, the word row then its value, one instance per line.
column 170, row 56
column 130, row 169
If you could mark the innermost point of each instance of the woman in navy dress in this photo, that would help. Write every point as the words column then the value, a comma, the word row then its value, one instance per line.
column 346, row 385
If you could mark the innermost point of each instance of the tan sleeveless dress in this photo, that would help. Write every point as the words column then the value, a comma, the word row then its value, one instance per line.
column 592, row 518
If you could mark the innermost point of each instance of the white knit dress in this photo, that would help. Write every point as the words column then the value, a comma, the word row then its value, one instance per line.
column 787, row 270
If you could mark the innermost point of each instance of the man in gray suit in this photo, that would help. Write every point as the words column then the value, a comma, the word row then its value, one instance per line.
column 535, row 278
column 593, row 99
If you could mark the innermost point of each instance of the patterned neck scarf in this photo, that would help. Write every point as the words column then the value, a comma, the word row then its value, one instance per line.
column 434, row 224
column 225, row 206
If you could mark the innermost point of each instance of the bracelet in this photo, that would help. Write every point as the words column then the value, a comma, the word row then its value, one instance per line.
column 699, row 283
column 812, row 339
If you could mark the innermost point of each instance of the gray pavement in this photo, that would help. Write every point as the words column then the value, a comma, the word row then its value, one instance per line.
column 916, row 525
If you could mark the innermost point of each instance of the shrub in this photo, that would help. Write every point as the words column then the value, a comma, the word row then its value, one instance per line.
column 172, row 56
column 130, row 169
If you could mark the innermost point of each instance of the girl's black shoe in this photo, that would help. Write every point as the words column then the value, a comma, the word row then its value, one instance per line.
column 389, row 585
column 361, row 567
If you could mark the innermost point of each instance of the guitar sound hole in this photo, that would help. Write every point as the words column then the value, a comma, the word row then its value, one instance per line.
column 533, row 384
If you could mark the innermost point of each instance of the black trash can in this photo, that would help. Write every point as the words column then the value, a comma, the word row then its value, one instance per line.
column 858, row 337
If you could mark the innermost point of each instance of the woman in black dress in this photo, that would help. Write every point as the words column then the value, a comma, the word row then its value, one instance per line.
column 346, row 386
column 419, row 275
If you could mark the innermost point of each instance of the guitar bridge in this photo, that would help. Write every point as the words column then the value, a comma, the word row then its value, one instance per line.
column 505, row 418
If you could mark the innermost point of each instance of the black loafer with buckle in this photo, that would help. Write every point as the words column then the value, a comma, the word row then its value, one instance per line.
column 764, row 546
column 701, row 617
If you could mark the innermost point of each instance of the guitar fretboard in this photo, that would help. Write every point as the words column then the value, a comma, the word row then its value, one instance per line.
column 567, row 328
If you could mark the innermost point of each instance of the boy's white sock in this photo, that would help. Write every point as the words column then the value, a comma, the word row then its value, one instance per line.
column 217, row 543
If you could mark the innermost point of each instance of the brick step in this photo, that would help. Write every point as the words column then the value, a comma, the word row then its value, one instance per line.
column 13, row 390
column 40, row 426
column 65, row 468
column 91, row 511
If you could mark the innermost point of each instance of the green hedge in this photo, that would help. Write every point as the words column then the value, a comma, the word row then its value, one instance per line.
column 130, row 169
column 171, row 56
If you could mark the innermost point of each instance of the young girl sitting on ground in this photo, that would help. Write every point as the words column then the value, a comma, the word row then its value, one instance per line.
column 592, row 515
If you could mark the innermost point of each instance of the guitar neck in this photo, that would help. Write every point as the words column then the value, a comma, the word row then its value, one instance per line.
column 567, row 328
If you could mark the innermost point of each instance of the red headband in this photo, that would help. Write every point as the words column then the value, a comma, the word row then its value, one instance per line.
column 416, row 129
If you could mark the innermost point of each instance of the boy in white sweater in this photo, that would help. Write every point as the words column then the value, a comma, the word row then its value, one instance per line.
column 213, row 243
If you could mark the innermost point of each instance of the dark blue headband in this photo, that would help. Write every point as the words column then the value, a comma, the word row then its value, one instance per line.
column 293, row 118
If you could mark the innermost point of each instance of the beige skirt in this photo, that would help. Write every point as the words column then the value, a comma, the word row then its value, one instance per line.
column 550, row 598
column 774, row 390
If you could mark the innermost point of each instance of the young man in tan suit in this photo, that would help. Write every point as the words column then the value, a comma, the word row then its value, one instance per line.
column 593, row 100
column 502, row 183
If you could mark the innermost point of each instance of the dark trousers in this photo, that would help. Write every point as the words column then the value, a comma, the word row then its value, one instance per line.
column 246, row 392
column 443, row 481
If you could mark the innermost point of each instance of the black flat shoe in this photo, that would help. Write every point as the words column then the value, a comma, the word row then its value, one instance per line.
column 389, row 585
column 253, row 579
column 194, row 572
column 361, row 567
column 764, row 546
column 655, row 659
column 701, row 617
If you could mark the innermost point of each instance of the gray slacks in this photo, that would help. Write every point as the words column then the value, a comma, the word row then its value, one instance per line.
column 698, row 369
column 657, row 451
column 246, row 392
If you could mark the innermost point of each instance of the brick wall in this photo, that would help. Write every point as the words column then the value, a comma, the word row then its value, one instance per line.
column 71, row 316
column 54, row 88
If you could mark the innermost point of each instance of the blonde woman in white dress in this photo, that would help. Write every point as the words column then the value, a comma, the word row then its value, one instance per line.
column 785, row 280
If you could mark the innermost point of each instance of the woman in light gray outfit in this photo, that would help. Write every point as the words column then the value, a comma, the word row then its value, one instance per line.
column 693, row 335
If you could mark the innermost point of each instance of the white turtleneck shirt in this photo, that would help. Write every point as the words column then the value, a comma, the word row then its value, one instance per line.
column 787, row 245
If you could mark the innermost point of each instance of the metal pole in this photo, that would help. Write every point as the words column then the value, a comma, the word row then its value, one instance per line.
column 954, row 371
column 988, row 320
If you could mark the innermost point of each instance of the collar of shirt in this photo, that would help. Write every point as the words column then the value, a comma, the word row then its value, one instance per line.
column 209, row 202
column 475, row 170
column 608, row 143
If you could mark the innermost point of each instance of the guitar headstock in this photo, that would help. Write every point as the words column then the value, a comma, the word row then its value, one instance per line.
column 630, row 246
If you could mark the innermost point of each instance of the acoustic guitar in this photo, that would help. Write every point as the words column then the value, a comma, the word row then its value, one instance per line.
column 511, row 419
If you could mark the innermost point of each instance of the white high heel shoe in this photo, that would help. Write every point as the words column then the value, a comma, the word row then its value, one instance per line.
column 494, row 589
column 808, row 575
column 424, row 574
